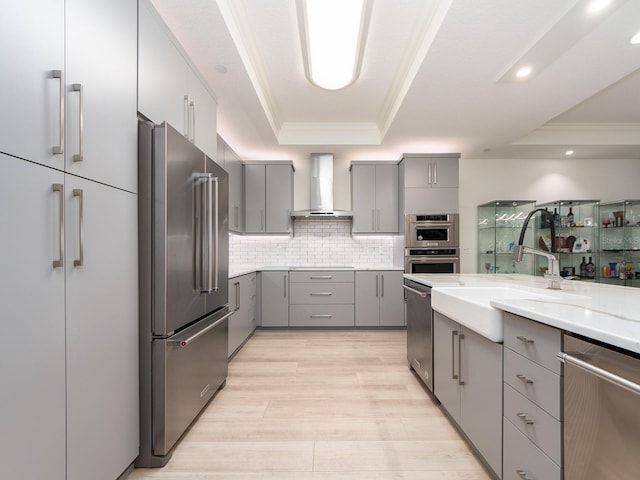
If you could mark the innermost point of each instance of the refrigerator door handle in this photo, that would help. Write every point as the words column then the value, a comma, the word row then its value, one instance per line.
column 192, row 338
column 206, row 231
column 213, row 224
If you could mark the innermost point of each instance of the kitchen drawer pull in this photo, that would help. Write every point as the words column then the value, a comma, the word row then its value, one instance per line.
column 435, row 173
column 417, row 292
column 524, row 418
column 377, row 285
column 525, row 339
column 285, row 285
column 58, row 187
column 524, row 378
column 59, row 149
column 382, row 285
column 321, row 277
column 320, row 294
column 77, row 87
column 321, row 316
column 523, row 474
column 77, row 192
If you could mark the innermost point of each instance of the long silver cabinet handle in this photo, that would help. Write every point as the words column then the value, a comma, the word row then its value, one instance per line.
column 77, row 87
column 59, row 149
column 377, row 285
column 59, row 188
column 187, row 119
column 321, row 316
column 435, row 173
column 77, row 192
column 320, row 294
column 460, row 339
column 454, row 333
column 600, row 373
column 429, row 182
column 192, row 111
column 382, row 285
column 320, row 277
column 195, row 336
column 237, row 292
column 417, row 292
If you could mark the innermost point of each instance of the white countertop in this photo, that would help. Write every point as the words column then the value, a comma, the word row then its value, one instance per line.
column 602, row 312
column 237, row 273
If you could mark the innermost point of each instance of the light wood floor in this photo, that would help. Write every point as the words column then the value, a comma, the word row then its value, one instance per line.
column 319, row 405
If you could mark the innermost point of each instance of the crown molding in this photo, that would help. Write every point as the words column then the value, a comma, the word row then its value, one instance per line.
column 311, row 133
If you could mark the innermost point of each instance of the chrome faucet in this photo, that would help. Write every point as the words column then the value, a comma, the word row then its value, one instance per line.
column 553, row 271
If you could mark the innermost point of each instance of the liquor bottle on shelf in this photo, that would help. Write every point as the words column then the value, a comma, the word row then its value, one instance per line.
column 556, row 217
column 591, row 269
column 570, row 218
column 583, row 268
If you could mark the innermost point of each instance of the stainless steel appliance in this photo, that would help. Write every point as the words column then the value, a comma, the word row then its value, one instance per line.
column 601, row 411
column 419, row 330
column 431, row 230
column 431, row 260
column 183, row 237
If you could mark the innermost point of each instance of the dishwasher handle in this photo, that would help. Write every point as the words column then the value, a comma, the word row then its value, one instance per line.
column 599, row 372
column 417, row 292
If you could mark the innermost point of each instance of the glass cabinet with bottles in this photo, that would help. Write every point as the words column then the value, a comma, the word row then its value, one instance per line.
column 619, row 243
column 499, row 226
column 576, row 223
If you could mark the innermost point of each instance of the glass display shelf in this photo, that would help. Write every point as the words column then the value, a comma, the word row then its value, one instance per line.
column 575, row 223
column 499, row 226
column 619, row 243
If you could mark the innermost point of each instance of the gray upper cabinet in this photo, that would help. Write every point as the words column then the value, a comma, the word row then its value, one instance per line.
column 233, row 165
column 32, row 48
column 430, row 183
column 268, row 197
column 374, row 197
column 63, row 106
column 169, row 87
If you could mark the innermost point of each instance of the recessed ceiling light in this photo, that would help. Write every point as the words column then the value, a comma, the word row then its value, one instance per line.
column 333, row 33
column 569, row 152
column 523, row 72
column 635, row 40
column 598, row 5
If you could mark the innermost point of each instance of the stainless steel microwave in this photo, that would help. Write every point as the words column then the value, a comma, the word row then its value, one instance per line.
column 431, row 230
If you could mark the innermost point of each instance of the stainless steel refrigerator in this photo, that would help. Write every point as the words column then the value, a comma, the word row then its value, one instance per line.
column 184, row 250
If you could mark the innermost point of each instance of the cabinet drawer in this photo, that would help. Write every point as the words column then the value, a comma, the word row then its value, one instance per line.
column 541, row 343
column 538, row 384
column 545, row 431
column 325, row 294
column 522, row 459
column 321, row 276
column 321, row 316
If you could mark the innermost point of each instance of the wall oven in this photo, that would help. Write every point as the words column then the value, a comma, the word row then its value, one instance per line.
column 438, row 260
column 431, row 230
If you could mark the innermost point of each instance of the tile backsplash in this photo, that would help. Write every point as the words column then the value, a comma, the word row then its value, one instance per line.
column 315, row 243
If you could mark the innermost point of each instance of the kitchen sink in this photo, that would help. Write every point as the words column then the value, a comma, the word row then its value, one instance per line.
column 471, row 307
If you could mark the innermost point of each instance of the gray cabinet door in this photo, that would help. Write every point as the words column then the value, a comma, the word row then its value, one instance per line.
column 391, row 298
column 202, row 115
column 363, row 198
column 105, row 93
column 367, row 299
column 101, row 329
column 163, row 75
column 275, row 298
column 386, row 183
column 279, row 198
column 233, row 166
column 255, row 198
column 32, row 359
column 445, row 172
column 238, row 319
column 446, row 349
column 31, row 48
column 481, row 396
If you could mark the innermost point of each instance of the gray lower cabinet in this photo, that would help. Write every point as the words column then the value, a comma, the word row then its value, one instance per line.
column 532, row 400
column 379, row 298
column 242, row 300
column 468, row 383
column 274, row 293
column 321, row 298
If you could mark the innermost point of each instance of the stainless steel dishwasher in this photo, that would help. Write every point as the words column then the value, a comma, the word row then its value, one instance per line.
column 420, row 330
column 601, row 412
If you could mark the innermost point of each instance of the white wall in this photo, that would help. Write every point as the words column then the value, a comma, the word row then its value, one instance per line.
column 544, row 181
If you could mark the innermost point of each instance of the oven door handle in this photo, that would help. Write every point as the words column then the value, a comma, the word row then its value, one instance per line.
column 417, row 292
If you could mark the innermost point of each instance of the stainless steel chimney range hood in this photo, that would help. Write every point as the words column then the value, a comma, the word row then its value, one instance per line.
column 321, row 190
